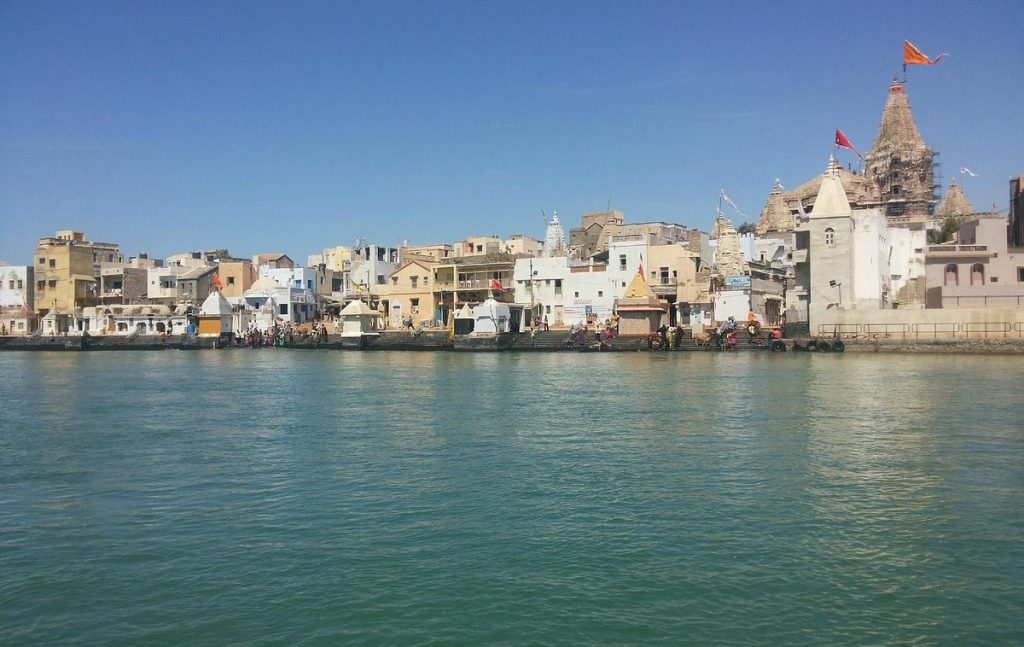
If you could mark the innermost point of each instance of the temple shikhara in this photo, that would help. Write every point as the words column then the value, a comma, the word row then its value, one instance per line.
column 900, row 166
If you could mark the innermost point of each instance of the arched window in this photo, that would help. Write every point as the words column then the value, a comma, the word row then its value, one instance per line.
column 830, row 236
column 977, row 274
column 951, row 275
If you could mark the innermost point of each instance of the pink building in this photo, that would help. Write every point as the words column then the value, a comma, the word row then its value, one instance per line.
column 978, row 270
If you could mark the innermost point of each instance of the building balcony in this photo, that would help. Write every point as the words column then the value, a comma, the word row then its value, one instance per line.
column 952, row 251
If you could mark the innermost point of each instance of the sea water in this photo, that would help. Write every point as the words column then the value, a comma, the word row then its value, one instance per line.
column 323, row 497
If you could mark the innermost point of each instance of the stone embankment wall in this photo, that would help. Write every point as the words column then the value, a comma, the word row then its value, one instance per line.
column 961, row 346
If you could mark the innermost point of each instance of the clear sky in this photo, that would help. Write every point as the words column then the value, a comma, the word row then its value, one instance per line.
column 291, row 126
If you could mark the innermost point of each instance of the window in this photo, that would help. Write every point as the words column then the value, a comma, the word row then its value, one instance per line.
column 394, row 280
column 576, row 294
column 231, row 280
column 951, row 275
column 600, row 293
column 40, row 285
column 622, row 262
column 977, row 274
column 894, row 189
column 10, row 284
column 479, row 249
column 830, row 236
column 381, row 280
column 558, row 283
column 53, row 283
column 664, row 275
column 1020, row 274
column 414, row 304
column 309, row 284
column 53, row 262
column 993, row 279
column 424, row 281
column 413, row 280
column 42, row 261
column 283, row 309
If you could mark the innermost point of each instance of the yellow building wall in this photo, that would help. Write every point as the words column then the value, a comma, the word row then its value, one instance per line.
column 399, row 290
column 54, row 287
column 242, row 273
column 209, row 326
column 677, row 259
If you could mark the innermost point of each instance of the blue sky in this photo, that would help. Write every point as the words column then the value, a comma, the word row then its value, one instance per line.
column 263, row 126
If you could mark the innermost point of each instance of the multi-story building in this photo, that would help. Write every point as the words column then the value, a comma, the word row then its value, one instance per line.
column 478, row 246
column 471, row 279
column 17, row 300
column 409, row 294
column 236, row 276
column 852, row 259
column 590, row 237
column 522, row 245
column 371, row 266
column 66, row 271
column 977, row 270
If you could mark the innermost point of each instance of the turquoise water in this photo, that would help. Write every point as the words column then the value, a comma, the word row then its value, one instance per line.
column 303, row 497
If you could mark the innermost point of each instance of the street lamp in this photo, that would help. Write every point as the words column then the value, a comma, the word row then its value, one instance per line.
column 839, row 286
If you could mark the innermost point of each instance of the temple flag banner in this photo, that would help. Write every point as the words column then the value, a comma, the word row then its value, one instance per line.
column 842, row 141
column 640, row 270
column 966, row 171
column 216, row 282
column 731, row 203
column 914, row 56
column 496, row 286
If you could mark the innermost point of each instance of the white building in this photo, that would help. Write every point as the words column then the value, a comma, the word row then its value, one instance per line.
column 850, row 259
column 17, row 300
column 289, row 303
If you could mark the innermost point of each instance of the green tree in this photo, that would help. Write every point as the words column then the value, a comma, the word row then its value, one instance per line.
column 746, row 228
column 945, row 233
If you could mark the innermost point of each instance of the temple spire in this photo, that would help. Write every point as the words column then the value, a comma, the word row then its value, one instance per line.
column 900, row 164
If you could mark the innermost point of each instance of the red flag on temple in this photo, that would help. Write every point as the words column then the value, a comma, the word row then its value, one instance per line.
column 841, row 140
column 216, row 282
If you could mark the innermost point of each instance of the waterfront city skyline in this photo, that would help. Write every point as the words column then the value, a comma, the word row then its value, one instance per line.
column 284, row 129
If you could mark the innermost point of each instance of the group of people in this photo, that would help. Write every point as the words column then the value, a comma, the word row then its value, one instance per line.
column 284, row 335
column 579, row 335
column 726, row 334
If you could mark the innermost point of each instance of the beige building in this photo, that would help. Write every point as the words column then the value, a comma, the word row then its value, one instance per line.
column 597, row 229
column 236, row 276
column 672, row 272
column 471, row 280
column 590, row 237
column 978, row 270
column 408, row 293
column 430, row 253
column 523, row 245
column 66, row 271
column 478, row 246
column 337, row 259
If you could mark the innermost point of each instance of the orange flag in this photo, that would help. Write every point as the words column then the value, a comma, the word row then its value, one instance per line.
column 216, row 282
column 914, row 56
